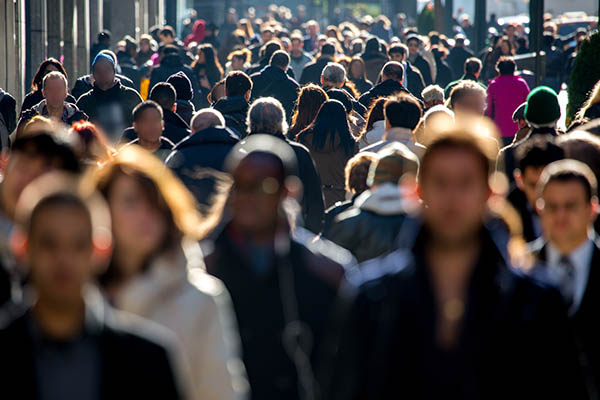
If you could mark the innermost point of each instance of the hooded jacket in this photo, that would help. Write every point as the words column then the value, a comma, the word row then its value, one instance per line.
column 384, row 89
column 84, row 85
column 273, row 81
column 398, row 134
column 171, row 64
column 234, row 110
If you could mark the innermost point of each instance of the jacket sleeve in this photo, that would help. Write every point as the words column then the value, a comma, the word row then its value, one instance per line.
column 313, row 206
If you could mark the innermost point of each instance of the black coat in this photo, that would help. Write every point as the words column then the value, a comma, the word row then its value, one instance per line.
column 311, row 73
column 204, row 150
column 235, row 111
column 169, row 65
column 514, row 342
column 384, row 89
column 132, row 364
column 362, row 85
column 517, row 199
column 416, row 84
column 423, row 66
column 34, row 97
column 83, row 85
column 273, row 81
column 257, row 301
column 110, row 109
column 8, row 109
column 456, row 59
column 186, row 110
column 584, row 321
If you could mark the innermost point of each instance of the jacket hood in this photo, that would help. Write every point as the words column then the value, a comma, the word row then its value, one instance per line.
column 171, row 118
column 210, row 135
column 385, row 199
column 274, row 73
column 386, row 87
column 231, row 104
column 171, row 60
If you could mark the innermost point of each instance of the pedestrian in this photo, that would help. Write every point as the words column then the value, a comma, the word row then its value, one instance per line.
column 234, row 106
column 149, row 127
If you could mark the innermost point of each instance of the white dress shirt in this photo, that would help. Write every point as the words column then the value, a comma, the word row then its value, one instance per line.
column 580, row 258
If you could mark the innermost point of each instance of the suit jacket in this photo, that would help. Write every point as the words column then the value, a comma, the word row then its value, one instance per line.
column 517, row 198
column 134, row 362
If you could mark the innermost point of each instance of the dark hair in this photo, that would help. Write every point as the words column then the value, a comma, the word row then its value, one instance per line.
column 398, row 48
column 103, row 35
column 393, row 70
column 505, row 39
column 359, row 60
column 403, row 111
column 328, row 49
column 357, row 171
column 342, row 96
column 375, row 113
column 164, row 94
column 237, row 83
column 331, row 121
column 38, row 78
column 143, row 106
column 472, row 65
column 267, row 50
column 537, row 152
column 569, row 171
column 167, row 31
column 310, row 100
column 56, row 200
column 212, row 67
column 170, row 49
column 46, row 145
column 455, row 142
column 280, row 59
column 506, row 66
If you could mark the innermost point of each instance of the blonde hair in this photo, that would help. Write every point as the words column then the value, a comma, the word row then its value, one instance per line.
column 593, row 98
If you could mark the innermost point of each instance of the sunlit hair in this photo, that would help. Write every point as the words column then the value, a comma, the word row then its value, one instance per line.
column 357, row 170
column 90, row 143
column 163, row 188
column 360, row 61
column 374, row 114
column 310, row 100
column 36, row 84
column 593, row 98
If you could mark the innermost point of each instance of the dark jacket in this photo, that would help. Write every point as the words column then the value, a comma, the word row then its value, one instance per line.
column 416, row 84
column 332, row 212
column 444, row 73
column 83, row 85
column 134, row 360
column 423, row 66
column 169, row 65
column 129, row 69
column 362, row 85
column 185, row 109
column 311, row 73
column 586, row 330
column 110, row 109
column 514, row 340
column 384, row 89
column 235, row 111
column 70, row 115
column 330, row 162
column 175, row 129
column 166, row 146
column 374, row 63
column 34, row 97
column 257, row 301
column 369, row 229
column 518, row 200
column 202, row 151
column 273, row 81
column 8, row 113
column 456, row 59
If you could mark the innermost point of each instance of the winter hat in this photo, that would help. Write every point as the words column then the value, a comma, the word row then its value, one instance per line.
column 542, row 107
column 104, row 57
column 519, row 112
column 182, row 85
column 393, row 162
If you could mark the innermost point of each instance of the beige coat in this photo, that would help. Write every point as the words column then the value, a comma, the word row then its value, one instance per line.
column 177, row 293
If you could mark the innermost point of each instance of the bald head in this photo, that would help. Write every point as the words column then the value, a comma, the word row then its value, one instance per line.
column 207, row 118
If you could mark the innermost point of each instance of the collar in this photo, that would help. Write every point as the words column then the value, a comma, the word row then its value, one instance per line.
column 400, row 134
column 385, row 199
column 580, row 257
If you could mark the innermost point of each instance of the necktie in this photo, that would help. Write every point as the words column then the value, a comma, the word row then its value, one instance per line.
column 567, row 284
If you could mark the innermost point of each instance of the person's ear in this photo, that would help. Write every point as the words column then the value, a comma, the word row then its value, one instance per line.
column 19, row 244
column 174, row 108
column 322, row 80
column 162, row 124
column 102, row 248
column 134, row 126
column 4, row 159
column 593, row 209
column 292, row 187
column 518, row 178
column 247, row 95
column 44, row 93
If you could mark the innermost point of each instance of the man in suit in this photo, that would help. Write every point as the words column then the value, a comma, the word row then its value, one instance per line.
column 68, row 343
column 447, row 317
column 531, row 158
column 569, row 253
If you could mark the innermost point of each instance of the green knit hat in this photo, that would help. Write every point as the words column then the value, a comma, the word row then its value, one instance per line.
column 542, row 107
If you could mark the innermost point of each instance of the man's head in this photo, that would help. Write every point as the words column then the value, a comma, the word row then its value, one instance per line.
column 531, row 158
column 31, row 156
column 333, row 75
column 392, row 70
column 266, row 115
column 165, row 95
column 54, row 89
column 280, row 59
column 64, row 234
column 237, row 83
column 542, row 109
column 312, row 28
column 413, row 42
column 263, row 169
column 206, row 118
column 473, row 66
column 104, row 37
column 393, row 162
column 506, row 66
column 328, row 50
column 453, row 184
column 459, row 40
column 103, row 70
column 468, row 97
column 148, row 121
column 297, row 43
column 403, row 111
column 432, row 96
column 182, row 85
column 398, row 52
column 357, row 171
column 167, row 35
column 266, row 34
column 567, row 202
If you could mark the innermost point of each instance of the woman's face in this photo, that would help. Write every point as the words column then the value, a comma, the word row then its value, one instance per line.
column 356, row 70
column 237, row 64
column 50, row 68
column 201, row 57
column 139, row 228
column 505, row 48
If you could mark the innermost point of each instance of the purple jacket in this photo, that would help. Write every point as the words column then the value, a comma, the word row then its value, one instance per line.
column 504, row 94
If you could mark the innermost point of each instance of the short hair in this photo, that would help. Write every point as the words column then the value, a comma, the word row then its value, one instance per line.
column 568, row 170
column 143, row 106
column 54, row 75
column 472, row 65
column 506, row 66
column 403, row 111
column 164, row 94
column 334, row 72
column 393, row 162
column 398, row 48
column 357, row 171
column 463, row 89
column 266, row 115
column 393, row 70
column 47, row 145
column 280, row 59
column 328, row 49
column 413, row 37
column 237, row 83
column 167, row 31
column 537, row 152
column 433, row 93
column 59, row 200
column 206, row 118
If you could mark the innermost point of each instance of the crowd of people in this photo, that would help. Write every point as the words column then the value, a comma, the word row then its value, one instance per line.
column 262, row 211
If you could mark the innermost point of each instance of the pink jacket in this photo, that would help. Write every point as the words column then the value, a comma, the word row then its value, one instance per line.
column 504, row 94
